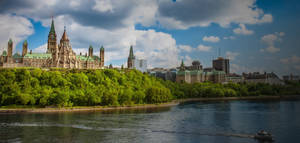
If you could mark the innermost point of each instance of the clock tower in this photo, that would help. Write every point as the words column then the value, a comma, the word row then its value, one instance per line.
column 51, row 39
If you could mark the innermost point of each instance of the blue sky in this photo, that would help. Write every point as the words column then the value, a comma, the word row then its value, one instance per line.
column 257, row 35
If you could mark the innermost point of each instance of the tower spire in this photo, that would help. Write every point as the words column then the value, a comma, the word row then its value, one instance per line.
column 51, row 38
column 182, row 65
column 52, row 29
column 65, row 36
column 131, row 56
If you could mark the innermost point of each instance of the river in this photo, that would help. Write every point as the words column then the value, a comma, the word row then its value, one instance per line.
column 191, row 122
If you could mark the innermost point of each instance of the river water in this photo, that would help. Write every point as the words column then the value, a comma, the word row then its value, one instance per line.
column 192, row 122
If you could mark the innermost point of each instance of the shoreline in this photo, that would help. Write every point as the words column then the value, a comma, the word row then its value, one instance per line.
column 143, row 106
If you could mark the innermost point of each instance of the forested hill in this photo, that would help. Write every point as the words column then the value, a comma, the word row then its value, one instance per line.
column 61, row 87
column 65, row 88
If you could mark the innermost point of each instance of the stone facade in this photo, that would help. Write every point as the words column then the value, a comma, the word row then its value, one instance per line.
column 291, row 77
column 256, row 77
column 196, row 74
column 235, row 78
column 57, row 56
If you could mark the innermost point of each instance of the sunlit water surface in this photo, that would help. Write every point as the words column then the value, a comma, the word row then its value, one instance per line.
column 185, row 123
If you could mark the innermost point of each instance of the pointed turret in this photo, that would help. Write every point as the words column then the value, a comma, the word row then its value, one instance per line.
column 131, row 56
column 10, row 41
column 25, row 42
column 52, row 29
column 182, row 67
column 65, row 36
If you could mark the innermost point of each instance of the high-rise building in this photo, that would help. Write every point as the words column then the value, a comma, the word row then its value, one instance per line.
column 221, row 64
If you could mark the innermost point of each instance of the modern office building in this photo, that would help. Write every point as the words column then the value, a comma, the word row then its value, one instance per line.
column 221, row 64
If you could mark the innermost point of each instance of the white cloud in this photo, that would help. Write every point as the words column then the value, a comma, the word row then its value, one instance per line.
column 229, row 38
column 267, row 18
column 169, row 14
column 103, row 6
column 185, row 48
column 75, row 3
column 40, row 49
column 205, row 12
column 242, row 30
column 111, row 23
column 213, row 39
column 204, row 48
column 15, row 27
column 281, row 33
column 235, row 68
column 270, row 40
column 293, row 60
column 297, row 67
column 272, row 49
column 291, row 64
column 232, row 55
column 188, row 60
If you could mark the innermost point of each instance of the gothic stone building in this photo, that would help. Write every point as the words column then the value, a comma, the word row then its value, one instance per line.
column 57, row 56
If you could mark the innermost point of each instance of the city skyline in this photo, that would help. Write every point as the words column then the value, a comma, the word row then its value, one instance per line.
column 254, row 35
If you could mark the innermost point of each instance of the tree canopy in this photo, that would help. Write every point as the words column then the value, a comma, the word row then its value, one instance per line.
column 111, row 87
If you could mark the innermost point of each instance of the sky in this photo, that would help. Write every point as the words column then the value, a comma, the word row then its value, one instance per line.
column 256, row 35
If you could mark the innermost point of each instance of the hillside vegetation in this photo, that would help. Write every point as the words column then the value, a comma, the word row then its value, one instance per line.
column 79, row 87
column 66, row 88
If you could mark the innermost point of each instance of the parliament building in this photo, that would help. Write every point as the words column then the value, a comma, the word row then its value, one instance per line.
column 57, row 55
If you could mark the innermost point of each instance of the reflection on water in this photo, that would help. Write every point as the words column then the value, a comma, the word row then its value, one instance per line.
column 226, row 121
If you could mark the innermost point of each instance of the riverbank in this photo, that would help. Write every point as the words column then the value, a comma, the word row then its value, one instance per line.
column 8, row 110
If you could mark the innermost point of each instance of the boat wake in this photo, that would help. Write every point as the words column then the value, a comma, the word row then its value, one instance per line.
column 83, row 127
column 208, row 134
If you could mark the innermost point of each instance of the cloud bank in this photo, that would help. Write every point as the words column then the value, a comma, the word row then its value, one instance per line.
column 112, row 23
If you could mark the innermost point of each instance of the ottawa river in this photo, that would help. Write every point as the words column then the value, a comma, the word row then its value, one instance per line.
column 191, row 122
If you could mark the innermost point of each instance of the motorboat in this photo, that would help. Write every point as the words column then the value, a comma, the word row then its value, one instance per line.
column 263, row 136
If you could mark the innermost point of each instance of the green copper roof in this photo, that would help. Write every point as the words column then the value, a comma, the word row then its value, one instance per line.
column 96, row 58
column 215, row 72
column 17, row 56
column 25, row 42
column 195, row 72
column 38, row 56
column 4, row 53
column 183, row 72
column 102, row 48
column 84, row 58
column 91, row 47
column 131, row 56
column 52, row 29
column 10, row 41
